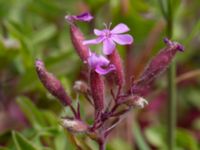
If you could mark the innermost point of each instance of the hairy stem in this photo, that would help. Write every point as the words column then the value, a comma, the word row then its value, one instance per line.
column 102, row 144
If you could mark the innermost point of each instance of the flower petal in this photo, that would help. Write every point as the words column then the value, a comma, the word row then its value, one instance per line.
column 123, row 39
column 108, row 46
column 84, row 17
column 120, row 28
column 103, row 61
column 95, row 60
column 103, row 71
column 97, row 32
column 93, row 41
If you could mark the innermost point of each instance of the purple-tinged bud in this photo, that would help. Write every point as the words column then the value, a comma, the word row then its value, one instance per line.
column 74, row 125
column 82, row 17
column 80, row 87
column 169, row 43
column 118, row 72
column 97, row 90
column 77, row 40
column 52, row 84
column 157, row 65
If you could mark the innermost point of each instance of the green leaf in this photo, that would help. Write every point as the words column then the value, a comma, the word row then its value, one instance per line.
column 141, row 143
column 62, row 142
column 44, row 34
column 51, row 118
column 119, row 144
column 21, row 143
column 186, row 140
column 154, row 135
column 32, row 113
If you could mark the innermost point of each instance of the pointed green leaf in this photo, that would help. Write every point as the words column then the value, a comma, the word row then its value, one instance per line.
column 141, row 143
column 21, row 143
column 31, row 111
column 44, row 34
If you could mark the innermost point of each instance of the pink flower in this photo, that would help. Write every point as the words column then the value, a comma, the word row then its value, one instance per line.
column 109, row 37
column 100, row 64
column 82, row 17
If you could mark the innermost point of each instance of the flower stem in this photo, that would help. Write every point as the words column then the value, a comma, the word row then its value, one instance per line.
column 171, row 107
column 171, row 85
column 102, row 145
column 74, row 112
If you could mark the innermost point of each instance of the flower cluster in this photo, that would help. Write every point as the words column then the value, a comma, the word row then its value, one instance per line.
column 106, row 66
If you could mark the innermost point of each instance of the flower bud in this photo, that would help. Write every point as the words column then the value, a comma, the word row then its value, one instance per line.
column 77, row 40
column 118, row 72
column 80, row 87
column 52, row 84
column 157, row 65
column 74, row 125
column 97, row 90
column 136, row 101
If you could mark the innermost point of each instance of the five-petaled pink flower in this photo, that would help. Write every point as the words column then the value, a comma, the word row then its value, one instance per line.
column 100, row 64
column 109, row 37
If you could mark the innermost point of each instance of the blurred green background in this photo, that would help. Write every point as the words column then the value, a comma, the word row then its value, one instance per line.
column 31, row 29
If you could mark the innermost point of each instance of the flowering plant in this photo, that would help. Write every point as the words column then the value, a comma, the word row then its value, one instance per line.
column 102, row 67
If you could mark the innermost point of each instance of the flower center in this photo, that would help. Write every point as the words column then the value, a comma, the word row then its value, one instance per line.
column 107, row 33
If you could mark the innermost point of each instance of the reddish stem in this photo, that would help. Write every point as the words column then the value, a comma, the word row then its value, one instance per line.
column 74, row 112
column 102, row 144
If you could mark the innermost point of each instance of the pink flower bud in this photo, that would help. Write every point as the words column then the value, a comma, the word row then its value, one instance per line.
column 157, row 65
column 77, row 40
column 97, row 90
column 52, row 84
column 118, row 72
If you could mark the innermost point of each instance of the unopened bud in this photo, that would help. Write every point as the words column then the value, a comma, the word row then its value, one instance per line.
column 118, row 72
column 74, row 125
column 97, row 90
column 141, row 102
column 136, row 101
column 52, row 84
column 80, row 87
column 77, row 40
column 157, row 65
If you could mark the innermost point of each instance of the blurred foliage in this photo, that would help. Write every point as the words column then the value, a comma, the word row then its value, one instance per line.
column 31, row 29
